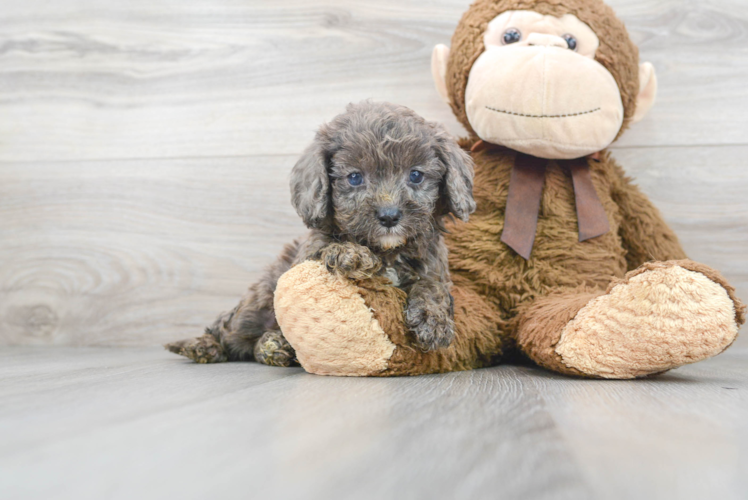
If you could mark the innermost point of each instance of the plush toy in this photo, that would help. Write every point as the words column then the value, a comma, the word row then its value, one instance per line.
column 564, row 259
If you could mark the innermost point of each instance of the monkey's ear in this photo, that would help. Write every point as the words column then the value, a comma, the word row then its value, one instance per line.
column 310, row 186
column 647, row 91
column 457, row 186
column 439, row 58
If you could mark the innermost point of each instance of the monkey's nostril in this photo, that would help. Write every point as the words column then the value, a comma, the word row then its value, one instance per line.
column 389, row 216
column 543, row 40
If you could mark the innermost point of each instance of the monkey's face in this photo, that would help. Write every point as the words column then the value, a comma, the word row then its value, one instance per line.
column 538, row 89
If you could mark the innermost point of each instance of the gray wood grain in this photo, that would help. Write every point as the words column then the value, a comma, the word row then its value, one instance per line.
column 86, row 79
column 135, row 253
column 142, row 423
column 680, row 435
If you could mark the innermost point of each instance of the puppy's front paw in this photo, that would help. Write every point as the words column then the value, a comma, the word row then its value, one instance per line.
column 432, row 324
column 350, row 260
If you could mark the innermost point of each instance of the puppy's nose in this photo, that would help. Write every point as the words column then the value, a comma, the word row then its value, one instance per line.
column 389, row 216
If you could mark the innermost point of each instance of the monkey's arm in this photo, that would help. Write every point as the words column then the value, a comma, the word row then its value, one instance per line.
column 645, row 234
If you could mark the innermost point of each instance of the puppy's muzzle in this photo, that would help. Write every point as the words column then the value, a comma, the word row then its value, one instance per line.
column 389, row 216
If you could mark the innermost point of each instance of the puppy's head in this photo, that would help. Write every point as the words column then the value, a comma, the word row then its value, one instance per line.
column 382, row 175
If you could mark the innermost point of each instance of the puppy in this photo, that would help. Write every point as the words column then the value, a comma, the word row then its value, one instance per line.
column 373, row 188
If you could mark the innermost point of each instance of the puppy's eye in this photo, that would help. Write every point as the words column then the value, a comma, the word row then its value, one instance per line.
column 355, row 179
column 570, row 41
column 416, row 176
column 512, row 35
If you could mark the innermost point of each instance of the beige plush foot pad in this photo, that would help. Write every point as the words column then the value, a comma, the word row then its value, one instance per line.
column 653, row 321
column 329, row 325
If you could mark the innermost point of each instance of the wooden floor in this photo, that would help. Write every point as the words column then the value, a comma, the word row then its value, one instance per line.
column 142, row 423
column 145, row 148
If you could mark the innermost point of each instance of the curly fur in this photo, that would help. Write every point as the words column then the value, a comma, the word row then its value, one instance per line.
column 383, row 143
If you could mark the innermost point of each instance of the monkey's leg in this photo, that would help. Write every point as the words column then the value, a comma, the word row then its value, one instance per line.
column 357, row 328
column 660, row 316
column 234, row 335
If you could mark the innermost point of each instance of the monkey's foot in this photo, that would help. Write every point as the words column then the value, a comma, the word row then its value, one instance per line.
column 327, row 321
column 273, row 349
column 659, row 317
column 357, row 329
column 205, row 349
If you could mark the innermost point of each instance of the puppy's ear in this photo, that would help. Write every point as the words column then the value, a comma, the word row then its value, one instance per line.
column 310, row 185
column 457, row 186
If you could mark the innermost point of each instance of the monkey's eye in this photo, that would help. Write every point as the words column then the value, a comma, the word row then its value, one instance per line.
column 512, row 35
column 416, row 176
column 570, row 41
column 355, row 179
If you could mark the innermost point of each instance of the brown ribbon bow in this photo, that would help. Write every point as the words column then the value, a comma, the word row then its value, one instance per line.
column 523, row 203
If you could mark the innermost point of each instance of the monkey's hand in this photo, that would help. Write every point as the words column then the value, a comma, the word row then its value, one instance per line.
column 430, row 315
column 350, row 260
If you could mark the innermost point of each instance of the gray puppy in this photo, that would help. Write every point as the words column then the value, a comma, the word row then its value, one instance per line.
column 373, row 188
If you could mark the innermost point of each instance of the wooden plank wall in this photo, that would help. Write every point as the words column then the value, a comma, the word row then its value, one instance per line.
column 145, row 146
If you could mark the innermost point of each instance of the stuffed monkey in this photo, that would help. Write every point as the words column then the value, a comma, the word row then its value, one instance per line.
column 565, row 259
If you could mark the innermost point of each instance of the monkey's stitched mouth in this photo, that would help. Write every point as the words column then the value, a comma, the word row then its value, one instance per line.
column 543, row 116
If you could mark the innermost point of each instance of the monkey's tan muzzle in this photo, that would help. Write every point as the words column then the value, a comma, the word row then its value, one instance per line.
column 543, row 100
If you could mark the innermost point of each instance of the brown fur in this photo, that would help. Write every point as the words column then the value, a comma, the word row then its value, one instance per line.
column 541, row 323
column 503, row 301
column 535, row 299
column 616, row 52
column 559, row 264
